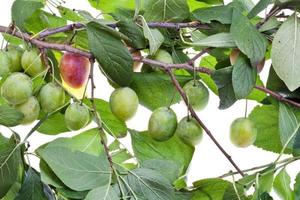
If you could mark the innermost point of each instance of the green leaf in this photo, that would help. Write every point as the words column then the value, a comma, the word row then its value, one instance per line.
column 86, row 142
column 32, row 188
column 222, row 14
column 13, row 191
column 288, row 126
column 268, row 137
column 10, row 116
column 76, row 168
column 113, row 57
column 282, row 185
column 166, row 10
column 150, row 185
column 223, row 79
column 247, row 38
column 120, row 155
column 272, row 23
column 156, row 90
column 195, row 4
column 216, row 189
column 48, row 176
column 55, row 124
column 110, row 121
column 285, row 55
column 223, row 40
column 256, row 94
column 66, row 192
column 145, row 148
column 260, row 6
column 154, row 36
column 243, row 77
column 107, row 6
column 102, row 193
column 23, row 9
column 10, row 163
column 69, row 14
column 297, row 187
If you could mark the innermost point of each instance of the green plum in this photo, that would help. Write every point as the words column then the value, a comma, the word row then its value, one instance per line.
column 124, row 103
column 15, row 55
column 5, row 63
column 32, row 63
column 162, row 124
column 17, row 88
column 243, row 132
column 163, row 56
column 51, row 97
column 77, row 116
column 189, row 131
column 197, row 94
column 30, row 109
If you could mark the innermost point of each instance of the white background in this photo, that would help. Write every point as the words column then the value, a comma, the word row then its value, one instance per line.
column 208, row 161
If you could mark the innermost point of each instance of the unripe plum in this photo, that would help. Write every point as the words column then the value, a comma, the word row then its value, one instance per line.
column 189, row 131
column 17, row 88
column 197, row 94
column 77, row 116
column 74, row 69
column 32, row 63
column 163, row 56
column 30, row 110
column 162, row 124
column 243, row 132
column 15, row 55
column 51, row 97
column 124, row 103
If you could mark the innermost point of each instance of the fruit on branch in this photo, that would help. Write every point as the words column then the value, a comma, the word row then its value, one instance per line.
column 124, row 103
column 51, row 97
column 15, row 55
column 74, row 69
column 77, row 116
column 30, row 110
column 235, row 54
column 197, row 94
column 5, row 63
column 162, row 124
column 189, row 131
column 163, row 56
column 17, row 88
column 32, row 63
column 243, row 132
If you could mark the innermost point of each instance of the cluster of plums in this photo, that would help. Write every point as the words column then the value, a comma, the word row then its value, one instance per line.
column 163, row 121
column 17, row 89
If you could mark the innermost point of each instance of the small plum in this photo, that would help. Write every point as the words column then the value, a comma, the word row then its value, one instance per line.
column 17, row 88
column 197, row 94
column 15, row 55
column 124, row 103
column 243, row 132
column 189, row 131
column 5, row 63
column 30, row 110
column 32, row 63
column 74, row 69
column 162, row 124
column 51, row 97
column 77, row 116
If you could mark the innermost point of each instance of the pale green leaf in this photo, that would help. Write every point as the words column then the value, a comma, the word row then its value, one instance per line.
column 282, row 185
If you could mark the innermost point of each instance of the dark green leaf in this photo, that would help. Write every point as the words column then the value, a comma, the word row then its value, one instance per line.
column 297, row 187
column 32, row 188
column 54, row 125
column 76, row 168
column 72, row 194
column 247, row 38
column 156, row 90
column 13, row 191
column 166, row 10
column 107, row 6
column 10, row 163
column 113, row 57
column 145, row 148
column 48, row 176
column 150, row 185
column 223, row 79
column 223, row 40
column 9, row 116
column 243, row 77
column 268, row 137
column 110, row 121
column 23, row 9
column 102, row 193
column 282, row 185
column 222, row 14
